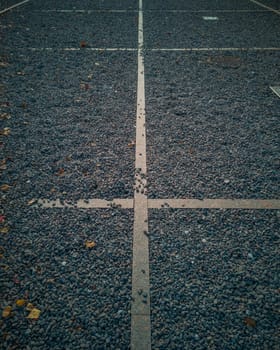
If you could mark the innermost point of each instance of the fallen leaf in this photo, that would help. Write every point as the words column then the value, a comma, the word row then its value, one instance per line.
column 5, row 116
column 7, row 311
column 83, row 43
column 4, row 230
column 4, row 64
column 250, row 322
column 32, row 201
column 5, row 187
column 60, row 172
column 90, row 244
column 20, row 302
column 5, row 132
column 131, row 144
column 34, row 314
column 4, row 104
column 29, row 307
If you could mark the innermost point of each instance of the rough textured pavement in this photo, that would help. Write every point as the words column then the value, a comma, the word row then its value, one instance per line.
column 69, row 112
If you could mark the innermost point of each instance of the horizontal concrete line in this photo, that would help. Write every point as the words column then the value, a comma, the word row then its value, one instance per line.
column 99, row 49
column 214, row 203
column 182, row 49
column 13, row 6
column 96, row 203
column 86, row 204
column 89, row 11
column 217, row 49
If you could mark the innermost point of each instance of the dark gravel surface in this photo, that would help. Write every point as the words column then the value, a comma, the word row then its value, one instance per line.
column 214, row 279
column 199, row 5
column 83, row 293
column 179, row 30
column 72, row 118
column 40, row 29
column 213, row 125
column 85, row 5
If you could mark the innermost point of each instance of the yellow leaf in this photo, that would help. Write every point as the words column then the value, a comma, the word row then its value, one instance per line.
column 5, row 187
column 34, row 314
column 20, row 302
column 5, row 131
column 29, row 307
column 90, row 244
column 4, row 230
column 7, row 311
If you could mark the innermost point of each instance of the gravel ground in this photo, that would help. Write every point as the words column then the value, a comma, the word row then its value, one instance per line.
column 86, row 4
column 208, row 135
column 40, row 29
column 83, row 293
column 201, row 5
column 214, row 279
column 179, row 30
column 70, row 124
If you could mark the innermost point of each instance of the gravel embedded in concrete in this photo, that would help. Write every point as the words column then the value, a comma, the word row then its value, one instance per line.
column 214, row 279
column 83, row 293
column 212, row 130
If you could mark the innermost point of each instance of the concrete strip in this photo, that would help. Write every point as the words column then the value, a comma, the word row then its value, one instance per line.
column 276, row 90
column 87, row 11
column 14, row 6
column 94, row 203
column 265, row 6
column 140, row 306
column 214, row 203
column 98, row 49
column 216, row 49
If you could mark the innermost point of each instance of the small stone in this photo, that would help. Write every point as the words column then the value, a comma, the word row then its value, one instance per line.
column 226, row 181
column 63, row 263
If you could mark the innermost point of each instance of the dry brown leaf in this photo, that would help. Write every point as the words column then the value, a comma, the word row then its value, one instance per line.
column 20, row 302
column 29, row 307
column 7, row 311
column 4, row 116
column 250, row 321
column 131, row 144
column 34, row 314
column 32, row 201
column 5, row 187
column 5, row 132
column 60, row 172
column 90, row 244
column 83, row 43
column 4, row 229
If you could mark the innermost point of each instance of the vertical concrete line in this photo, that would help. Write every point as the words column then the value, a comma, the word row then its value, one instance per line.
column 140, row 307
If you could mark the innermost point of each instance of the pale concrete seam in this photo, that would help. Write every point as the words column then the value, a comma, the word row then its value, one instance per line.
column 14, row 6
column 140, row 307
column 265, row 6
